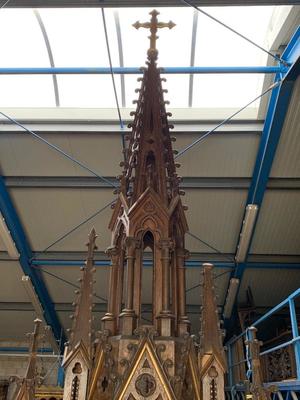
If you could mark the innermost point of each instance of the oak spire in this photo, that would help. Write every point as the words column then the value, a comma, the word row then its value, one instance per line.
column 27, row 389
column 82, row 319
column 211, row 333
column 78, row 355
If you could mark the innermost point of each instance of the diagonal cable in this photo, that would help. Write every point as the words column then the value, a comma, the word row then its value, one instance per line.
column 58, row 149
column 236, row 32
column 65, row 281
column 5, row 3
column 76, row 227
column 121, row 56
column 216, row 277
column 78, row 287
column 113, row 80
column 181, row 152
column 210, row 246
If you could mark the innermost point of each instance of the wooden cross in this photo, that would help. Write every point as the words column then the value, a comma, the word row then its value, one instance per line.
column 153, row 25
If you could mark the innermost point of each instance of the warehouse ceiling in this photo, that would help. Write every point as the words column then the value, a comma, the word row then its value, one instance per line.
column 141, row 3
column 57, row 201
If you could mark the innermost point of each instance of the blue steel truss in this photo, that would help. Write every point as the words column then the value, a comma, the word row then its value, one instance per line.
column 18, row 235
column 278, row 106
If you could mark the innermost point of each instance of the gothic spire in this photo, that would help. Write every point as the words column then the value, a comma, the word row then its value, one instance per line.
column 149, row 156
column 211, row 333
column 27, row 389
column 81, row 331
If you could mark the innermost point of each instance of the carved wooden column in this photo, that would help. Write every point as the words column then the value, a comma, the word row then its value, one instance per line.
column 128, row 315
column 109, row 319
column 183, row 322
column 137, row 282
column 120, row 285
column 165, row 316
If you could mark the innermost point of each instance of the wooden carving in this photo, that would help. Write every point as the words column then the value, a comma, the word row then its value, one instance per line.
column 26, row 387
column 157, row 360
column 257, row 389
column 148, row 214
column 212, row 356
column 78, row 353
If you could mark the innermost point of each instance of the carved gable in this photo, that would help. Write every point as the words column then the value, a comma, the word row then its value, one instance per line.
column 148, row 208
column 191, row 383
column 146, row 377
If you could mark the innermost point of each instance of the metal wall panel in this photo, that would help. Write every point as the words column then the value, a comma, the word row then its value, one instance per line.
column 11, row 287
column 269, row 287
column 2, row 246
column 220, row 155
column 215, row 216
column 194, row 276
column 278, row 227
column 15, row 324
column 22, row 155
column 47, row 214
column 62, row 292
column 287, row 159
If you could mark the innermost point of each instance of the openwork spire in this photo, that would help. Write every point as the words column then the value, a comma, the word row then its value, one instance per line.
column 150, row 158
column 149, row 213
column 211, row 333
column 81, row 331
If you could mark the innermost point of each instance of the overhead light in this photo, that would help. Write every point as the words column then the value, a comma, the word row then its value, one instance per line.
column 7, row 239
column 39, row 310
column 246, row 233
column 230, row 298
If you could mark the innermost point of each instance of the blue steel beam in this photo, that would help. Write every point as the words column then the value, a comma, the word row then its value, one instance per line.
column 18, row 235
column 134, row 70
column 275, row 117
column 188, row 264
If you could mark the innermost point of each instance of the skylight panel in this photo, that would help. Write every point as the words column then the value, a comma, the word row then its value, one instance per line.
column 77, row 39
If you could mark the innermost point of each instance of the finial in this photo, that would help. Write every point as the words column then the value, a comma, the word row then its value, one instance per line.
column 91, row 243
column 153, row 25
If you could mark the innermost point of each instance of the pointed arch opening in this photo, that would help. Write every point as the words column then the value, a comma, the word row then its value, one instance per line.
column 147, row 278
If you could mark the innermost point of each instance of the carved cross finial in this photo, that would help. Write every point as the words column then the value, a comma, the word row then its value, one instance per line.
column 153, row 25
